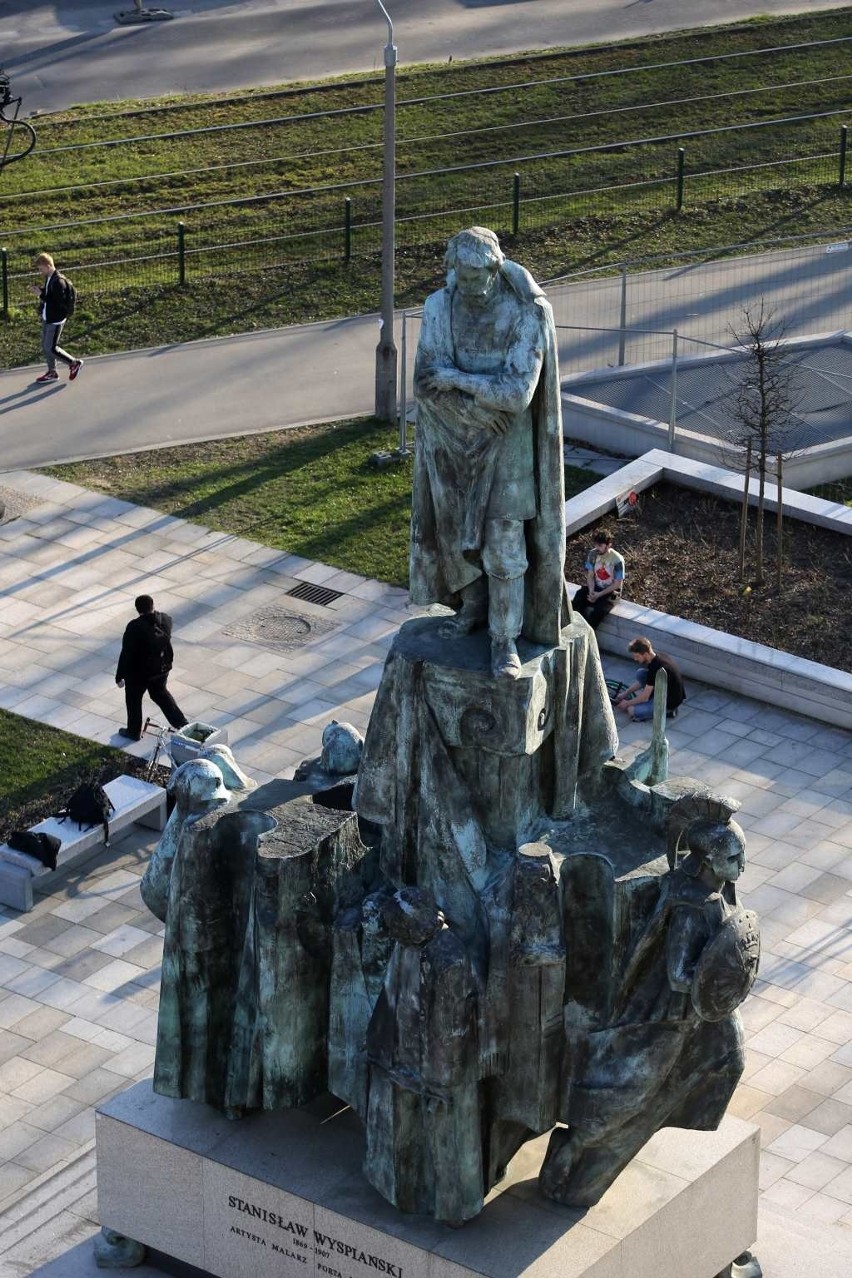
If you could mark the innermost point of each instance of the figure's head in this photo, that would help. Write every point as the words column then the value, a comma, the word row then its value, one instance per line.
column 602, row 538
column 44, row 265
column 143, row 604
column 641, row 650
column 719, row 848
column 341, row 749
column 475, row 258
column 412, row 917
column 197, row 785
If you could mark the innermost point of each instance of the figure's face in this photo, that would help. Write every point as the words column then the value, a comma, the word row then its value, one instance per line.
column 43, row 269
column 475, row 283
column 727, row 861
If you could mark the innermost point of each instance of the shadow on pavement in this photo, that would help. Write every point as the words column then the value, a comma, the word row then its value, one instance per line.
column 32, row 392
column 59, row 48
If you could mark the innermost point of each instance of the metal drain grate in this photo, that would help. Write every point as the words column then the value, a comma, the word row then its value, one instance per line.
column 314, row 594
column 274, row 628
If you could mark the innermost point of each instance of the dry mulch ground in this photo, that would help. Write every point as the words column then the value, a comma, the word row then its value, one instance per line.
column 681, row 557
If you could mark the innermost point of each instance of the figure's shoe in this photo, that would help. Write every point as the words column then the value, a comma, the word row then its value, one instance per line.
column 50, row 376
column 463, row 623
column 505, row 662
column 74, row 370
column 130, row 736
column 746, row 1266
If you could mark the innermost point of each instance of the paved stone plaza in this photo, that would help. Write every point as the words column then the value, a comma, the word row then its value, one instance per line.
column 80, row 973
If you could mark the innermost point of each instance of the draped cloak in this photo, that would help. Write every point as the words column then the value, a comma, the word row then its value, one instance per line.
column 454, row 469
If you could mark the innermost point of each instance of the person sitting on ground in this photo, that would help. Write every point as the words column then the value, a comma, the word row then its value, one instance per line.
column 638, row 699
column 604, row 580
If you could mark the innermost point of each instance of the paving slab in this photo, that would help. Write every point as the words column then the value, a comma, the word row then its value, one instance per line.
column 79, row 976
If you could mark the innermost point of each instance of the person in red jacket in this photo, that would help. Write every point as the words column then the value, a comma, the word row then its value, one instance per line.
column 144, row 665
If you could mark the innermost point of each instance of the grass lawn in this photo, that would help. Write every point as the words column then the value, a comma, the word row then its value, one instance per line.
column 288, row 148
column 40, row 767
column 311, row 492
column 129, row 296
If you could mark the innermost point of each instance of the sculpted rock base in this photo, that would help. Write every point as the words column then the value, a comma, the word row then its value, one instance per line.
column 529, row 936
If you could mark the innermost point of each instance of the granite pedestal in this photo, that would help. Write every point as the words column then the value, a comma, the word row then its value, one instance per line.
column 283, row 1194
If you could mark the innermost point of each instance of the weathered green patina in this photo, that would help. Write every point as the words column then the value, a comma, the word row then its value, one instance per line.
column 515, row 928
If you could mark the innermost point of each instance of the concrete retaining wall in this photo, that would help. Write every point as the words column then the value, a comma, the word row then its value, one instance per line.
column 631, row 434
column 716, row 658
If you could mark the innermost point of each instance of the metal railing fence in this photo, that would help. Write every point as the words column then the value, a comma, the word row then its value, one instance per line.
column 343, row 220
column 639, row 158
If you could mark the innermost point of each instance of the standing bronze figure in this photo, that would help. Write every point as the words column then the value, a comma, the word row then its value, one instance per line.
column 488, row 522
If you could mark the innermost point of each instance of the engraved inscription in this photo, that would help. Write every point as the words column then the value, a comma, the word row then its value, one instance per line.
column 296, row 1241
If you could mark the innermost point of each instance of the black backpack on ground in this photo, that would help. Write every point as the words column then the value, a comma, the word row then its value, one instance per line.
column 35, row 843
column 89, row 805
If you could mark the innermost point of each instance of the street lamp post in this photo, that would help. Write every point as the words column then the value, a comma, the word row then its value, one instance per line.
column 386, row 374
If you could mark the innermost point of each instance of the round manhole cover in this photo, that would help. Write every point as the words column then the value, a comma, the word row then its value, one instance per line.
column 281, row 626
column 277, row 628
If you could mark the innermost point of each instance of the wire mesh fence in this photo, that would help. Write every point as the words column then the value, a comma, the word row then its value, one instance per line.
column 641, row 312
column 805, row 283
column 707, row 400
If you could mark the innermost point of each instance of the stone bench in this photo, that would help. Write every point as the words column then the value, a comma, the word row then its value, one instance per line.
column 736, row 665
column 135, row 801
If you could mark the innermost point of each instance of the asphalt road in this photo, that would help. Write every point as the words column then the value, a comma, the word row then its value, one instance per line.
column 317, row 372
column 63, row 53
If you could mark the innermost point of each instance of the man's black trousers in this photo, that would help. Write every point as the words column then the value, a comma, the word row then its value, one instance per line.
column 159, row 694
column 595, row 612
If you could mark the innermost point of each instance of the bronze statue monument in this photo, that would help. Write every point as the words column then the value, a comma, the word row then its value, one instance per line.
column 498, row 927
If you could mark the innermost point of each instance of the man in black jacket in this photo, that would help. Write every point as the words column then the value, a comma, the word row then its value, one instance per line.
column 53, row 310
column 144, row 665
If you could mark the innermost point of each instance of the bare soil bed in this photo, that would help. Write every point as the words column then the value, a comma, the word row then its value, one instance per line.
column 681, row 553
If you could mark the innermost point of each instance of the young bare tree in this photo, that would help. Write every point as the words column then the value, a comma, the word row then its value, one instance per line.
column 763, row 408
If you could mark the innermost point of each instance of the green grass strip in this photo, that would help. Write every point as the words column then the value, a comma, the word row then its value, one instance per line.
column 311, row 492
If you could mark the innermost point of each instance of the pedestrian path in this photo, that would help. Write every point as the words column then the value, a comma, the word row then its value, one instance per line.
column 197, row 390
column 79, row 976
column 285, row 377
column 70, row 568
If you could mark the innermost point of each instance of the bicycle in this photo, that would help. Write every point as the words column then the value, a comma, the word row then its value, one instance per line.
column 161, row 732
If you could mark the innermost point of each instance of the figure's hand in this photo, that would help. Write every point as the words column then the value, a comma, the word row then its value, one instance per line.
column 484, row 418
column 120, row 683
column 34, row 288
column 440, row 379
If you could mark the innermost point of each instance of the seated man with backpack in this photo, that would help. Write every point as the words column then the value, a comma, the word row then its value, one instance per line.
column 144, row 665
column 638, row 699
